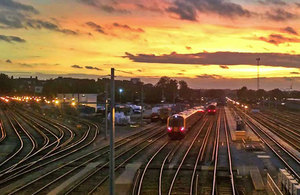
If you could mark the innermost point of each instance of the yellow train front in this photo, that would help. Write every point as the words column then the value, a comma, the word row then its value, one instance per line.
column 176, row 127
column 179, row 124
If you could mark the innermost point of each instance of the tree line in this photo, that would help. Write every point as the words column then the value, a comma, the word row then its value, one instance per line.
column 167, row 90
column 253, row 96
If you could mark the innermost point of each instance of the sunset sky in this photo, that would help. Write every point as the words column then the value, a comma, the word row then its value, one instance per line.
column 208, row 43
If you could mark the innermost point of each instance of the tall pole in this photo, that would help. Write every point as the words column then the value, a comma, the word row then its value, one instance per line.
column 142, row 104
column 106, row 109
column 112, row 134
column 257, row 59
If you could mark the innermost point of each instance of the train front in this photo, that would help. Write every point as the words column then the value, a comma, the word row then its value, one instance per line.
column 176, row 126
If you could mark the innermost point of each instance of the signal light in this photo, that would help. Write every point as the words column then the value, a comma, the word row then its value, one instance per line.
column 169, row 129
column 208, row 110
column 182, row 129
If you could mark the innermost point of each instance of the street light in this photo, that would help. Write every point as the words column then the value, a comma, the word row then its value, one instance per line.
column 120, row 91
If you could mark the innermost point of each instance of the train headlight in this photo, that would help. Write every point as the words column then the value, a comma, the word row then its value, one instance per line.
column 169, row 128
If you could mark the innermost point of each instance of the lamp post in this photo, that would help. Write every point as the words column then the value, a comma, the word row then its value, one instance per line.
column 112, row 134
column 120, row 91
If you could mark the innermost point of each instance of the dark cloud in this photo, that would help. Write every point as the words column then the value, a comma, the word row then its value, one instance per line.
column 89, row 2
column 289, row 30
column 154, row 8
column 92, row 68
column 41, row 24
column 11, row 39
column 8, row 61
column 180, row 73
column 111, row 9
column 139, row 70
column 209, row 76
column 76, row 66
column 220, row 58
column 126, row 72
column 294, row 72
column 224, row 67
column 274, row 2
column 280, row 15
column 277, row 39
column 106, row 8
column 95, row 27
column 184, row 10
column 124, row 26
column 188, row 48
column 13, row 5
column 187, row 9
column 14, row 19
column 26, row 65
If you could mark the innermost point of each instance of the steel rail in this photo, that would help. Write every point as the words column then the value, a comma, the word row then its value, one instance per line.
column 213, row 191
column 229, row 156
column 200, row 155
column 147, row 165
column 184, row 157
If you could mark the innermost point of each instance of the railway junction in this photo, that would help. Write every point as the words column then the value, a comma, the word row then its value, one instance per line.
column 232, row 151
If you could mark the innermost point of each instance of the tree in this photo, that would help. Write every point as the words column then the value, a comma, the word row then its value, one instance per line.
column 5, row 84
column 168, row 88
column 184, row 90
column 276, row 93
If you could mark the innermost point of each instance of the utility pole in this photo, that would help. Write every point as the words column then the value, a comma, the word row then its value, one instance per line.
column 106, row 109
column 112, row 134
column 257, row 59
column 142, row 103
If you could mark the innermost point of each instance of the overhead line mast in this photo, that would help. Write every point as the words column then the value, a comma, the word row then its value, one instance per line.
column 257, row 59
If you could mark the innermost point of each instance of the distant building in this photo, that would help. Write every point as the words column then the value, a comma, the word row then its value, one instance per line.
column 81, row 99
column 293, row 103
column 28, row 85
column 38, row 89
column 135, row 80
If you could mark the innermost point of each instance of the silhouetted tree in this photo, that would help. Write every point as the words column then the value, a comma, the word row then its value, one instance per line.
column 6, row 84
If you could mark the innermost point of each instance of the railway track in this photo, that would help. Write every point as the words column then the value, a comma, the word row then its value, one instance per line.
column 287, row 121
column 10, row 175
column 50, row 159
column 95, row 180
column 223, row 181
column 180, row 176
column 2, row 130
column 289, row 160
column 41, row 152
column 289, row 135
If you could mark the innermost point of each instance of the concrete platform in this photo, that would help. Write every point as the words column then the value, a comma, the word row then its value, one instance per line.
column 247, row 134
column 125, row 181
column 75, row 179
column 257, row 179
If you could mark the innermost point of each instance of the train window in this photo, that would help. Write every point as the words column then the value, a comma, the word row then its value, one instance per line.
column 176, row 122
column 211, row 107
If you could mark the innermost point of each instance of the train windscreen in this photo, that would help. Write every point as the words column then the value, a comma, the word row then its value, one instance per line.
column 176, row 121
column 211, row 107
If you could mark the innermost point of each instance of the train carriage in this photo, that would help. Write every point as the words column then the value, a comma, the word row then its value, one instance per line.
column 179, row 124
column 211, row 108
